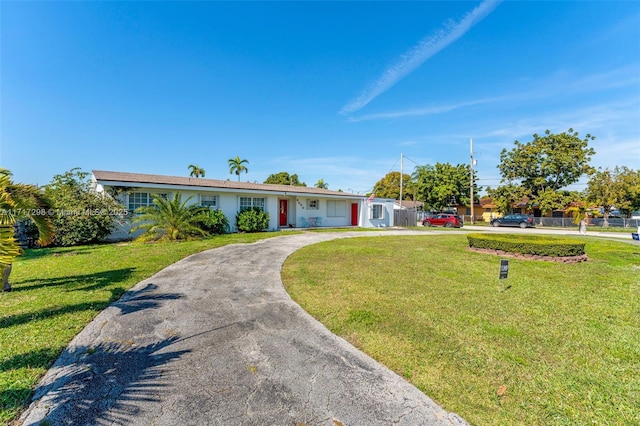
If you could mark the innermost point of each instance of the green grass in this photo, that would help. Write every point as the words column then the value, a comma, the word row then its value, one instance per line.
column 563, row 338
column 58, row 291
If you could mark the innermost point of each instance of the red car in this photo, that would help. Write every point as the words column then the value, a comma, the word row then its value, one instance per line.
column 448, row 220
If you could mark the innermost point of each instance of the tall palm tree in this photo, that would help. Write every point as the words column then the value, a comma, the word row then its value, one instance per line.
column 237, row 166
column 20, row 201
column 196, row 171
column 169, row 219
column 321, row 184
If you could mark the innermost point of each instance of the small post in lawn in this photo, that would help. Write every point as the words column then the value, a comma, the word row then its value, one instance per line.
column 504, row 273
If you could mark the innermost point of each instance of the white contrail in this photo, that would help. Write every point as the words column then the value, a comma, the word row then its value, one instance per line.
column 427, row 47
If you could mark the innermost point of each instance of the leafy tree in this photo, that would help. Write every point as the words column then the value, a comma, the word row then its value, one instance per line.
column 237, row 166
column 196, row 171
column 252, row 220
column 443, row 185
column 321, row 184
column 505, row 196
column 618, row 188
column 547, row 163
column 283, row 178
column 82, row 215
column 170, row 219
column 389, row 185
column 19, row 201
column 630, row 184
column 549, row 200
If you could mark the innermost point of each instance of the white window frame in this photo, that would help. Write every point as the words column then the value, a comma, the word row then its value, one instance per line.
column 336, row 208
column 142, row 203
column 376, row 211
column 252, row 202
column 210, row 201
column 313, row 204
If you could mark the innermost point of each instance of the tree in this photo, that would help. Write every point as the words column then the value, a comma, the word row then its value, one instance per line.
column 196, row 171
column 443, row 185
column 19, row 201
column 547, row 163
column 618, row 188
column 170, row 219
column 321, row 184
column 389, row 185
column 505, row 196
column 283, row 178
column 82, row 215
column 548, row 200
column 237, row 166
column 629, row 181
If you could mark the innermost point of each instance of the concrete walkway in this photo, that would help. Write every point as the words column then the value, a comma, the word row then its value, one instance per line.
column 215, row 340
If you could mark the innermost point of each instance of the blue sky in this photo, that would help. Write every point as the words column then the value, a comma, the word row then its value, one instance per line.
column 327, row 90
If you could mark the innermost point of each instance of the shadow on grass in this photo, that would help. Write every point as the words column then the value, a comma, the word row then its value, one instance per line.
column 82, row 374
column 32, row 254
column 86, row 282
column 132, row 301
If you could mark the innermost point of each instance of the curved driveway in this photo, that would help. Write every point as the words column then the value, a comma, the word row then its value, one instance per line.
column 215, row 339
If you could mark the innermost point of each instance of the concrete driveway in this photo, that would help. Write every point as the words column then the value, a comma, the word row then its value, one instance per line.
column 215, row 340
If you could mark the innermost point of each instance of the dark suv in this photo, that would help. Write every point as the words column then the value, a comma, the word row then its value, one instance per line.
column 521, row 220
column 448, row 220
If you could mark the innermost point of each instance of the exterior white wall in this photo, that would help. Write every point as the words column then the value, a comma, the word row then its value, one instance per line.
column 299, row 213
column 366, row 220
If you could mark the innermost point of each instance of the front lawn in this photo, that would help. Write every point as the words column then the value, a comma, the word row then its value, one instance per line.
column 553, row 344
column 56, row 292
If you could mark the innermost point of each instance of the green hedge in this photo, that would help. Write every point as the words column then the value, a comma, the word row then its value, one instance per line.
column 527, row 244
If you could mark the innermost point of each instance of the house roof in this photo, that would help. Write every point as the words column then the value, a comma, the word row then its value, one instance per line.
column 126, row 179
column 409, row 204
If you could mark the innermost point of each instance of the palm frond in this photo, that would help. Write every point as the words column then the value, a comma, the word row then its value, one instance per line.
column 36, row 206
column 9, row 248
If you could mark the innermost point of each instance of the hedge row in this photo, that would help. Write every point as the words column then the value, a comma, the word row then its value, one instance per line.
column 530, row 245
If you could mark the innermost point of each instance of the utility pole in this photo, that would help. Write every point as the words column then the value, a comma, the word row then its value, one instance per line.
column 472, row 163
column 401, row 181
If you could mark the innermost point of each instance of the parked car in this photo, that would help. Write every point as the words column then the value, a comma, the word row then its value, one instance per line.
column 521, row 220
column 447, row 220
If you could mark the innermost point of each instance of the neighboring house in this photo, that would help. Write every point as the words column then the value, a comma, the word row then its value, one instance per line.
column 288, row 206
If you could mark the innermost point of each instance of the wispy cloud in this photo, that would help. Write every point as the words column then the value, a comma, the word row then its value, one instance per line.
column 431, row 110
column 424, row 50
column 565, row 83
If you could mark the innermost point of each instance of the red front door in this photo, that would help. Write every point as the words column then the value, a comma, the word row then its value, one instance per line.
column 283, row 212
column 354, row 214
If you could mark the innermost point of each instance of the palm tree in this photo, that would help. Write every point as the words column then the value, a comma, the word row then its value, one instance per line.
column 236, row 165
column 321, row 184
column 20, row 201
column 169, row 219
column 196, row 171
column 580, row 212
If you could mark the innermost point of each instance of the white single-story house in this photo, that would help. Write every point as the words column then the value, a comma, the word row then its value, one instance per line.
column 288, row 206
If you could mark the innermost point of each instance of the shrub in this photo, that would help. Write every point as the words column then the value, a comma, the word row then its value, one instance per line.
column 81, row 215
column 252, row 220
column 213, row 222
column 533, row 245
